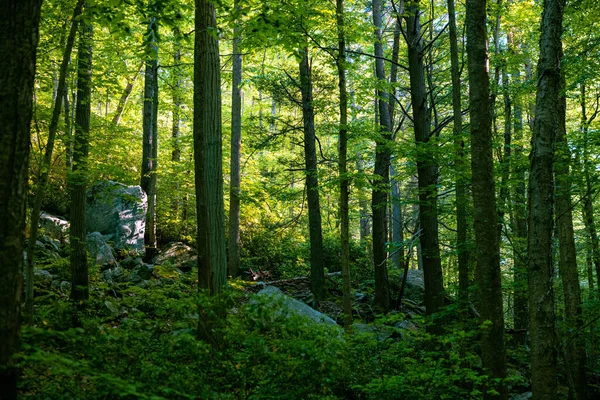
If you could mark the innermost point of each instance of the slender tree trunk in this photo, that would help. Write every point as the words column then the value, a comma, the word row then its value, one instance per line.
column 236, row 141
column 212, row 256
column 343, row 165
column 150, row 130
column 575, row 348
column 78, row 178
column 317, row 274
column 519, row 208
column 19, row 23
column 487, row 242
column 462, row 245
column 588, row 206
column 381, row 172
column 426, row 165
column 45, row 170
column 68, row 140
column 125, row 96
column 541, row 189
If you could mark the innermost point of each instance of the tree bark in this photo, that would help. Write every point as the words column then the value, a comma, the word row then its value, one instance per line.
column 381, row 172
column 125, row 96
column 575, row 347
column 19, row 23
column 426, row 165
column 541, row 189
column 317, row 274
column 150, row 131
column 485, row 214
column 212, row 256
column 78, row 178
column 46, row 162
column 461, row 181
column 343, row 165
column 236, row 142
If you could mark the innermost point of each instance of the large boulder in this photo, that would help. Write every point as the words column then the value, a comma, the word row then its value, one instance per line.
column 100, row 252
column 55, row 227
column 119, row 211
column 291, row 306
column 179, row 255
column 415, row 286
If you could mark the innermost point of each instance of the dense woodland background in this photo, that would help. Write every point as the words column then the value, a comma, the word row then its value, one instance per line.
column 285, row 141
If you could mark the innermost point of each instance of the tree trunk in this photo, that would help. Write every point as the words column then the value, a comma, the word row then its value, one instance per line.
column 78, row 178
column 125, row 96
column 462, row 245
column 426, row 165
column 45, row 169
column 381, row 172
column 150, row 130
column 19, row 23
column 317, row 274
column 236, row 142
column 487, row 243
column 68, row 136
column 212, row 256
column 575, row 347
column 541, row 189
column 343, row 165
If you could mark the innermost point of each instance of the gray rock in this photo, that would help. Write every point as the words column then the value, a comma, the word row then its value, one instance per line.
column 522, row 396
column 131, row 263
column 141, row 273
column 415, row 286
column 292, row 306
column 380, row 332
column 100, row 252
column 179, row 255
column 120, row 211
column 65, row 287
column 55, row 227
column 42, row 278
column 50, row 243
column 406, row 325
column 113, row 275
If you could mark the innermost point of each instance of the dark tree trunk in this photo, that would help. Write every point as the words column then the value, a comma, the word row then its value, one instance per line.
column 381, row 172
column 125, row 96
column 317, row 274
column 484, row 201
column 426, row 165
column 575, row 347
column 236, row 142
column 68, row 136
column 462, row 245
column 212, row 256
column 541, row 189
column 150, row 130
column 46, row 163
column 19, row 23
column 78, row 178
column 343, row 165
column 519, row 200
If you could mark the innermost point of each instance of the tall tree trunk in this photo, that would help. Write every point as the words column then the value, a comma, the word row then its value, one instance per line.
column 212, row 256
column 462, row 245
column 19, row 23
column 236, row 141
column 68, row 136
column 78, row 178
column 45, row 170
column 317, row 274
column 575, row 347
column 381, row 172
column 519, row 209
column 125, row 96
column 150, row 130
column 588, row 206
column 343, row 165
column 541, row 189
column 487, row 242
column 426, row 165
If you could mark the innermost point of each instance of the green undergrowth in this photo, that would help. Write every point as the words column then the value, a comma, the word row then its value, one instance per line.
column 133, row 343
